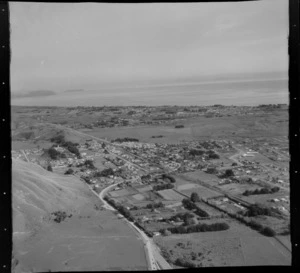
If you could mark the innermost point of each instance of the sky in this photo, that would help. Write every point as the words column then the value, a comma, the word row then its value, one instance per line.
column 61, row 46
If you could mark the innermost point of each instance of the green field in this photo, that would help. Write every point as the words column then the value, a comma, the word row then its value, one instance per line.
column 237, row 246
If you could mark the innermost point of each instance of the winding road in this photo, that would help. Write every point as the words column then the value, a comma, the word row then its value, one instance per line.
column 154, row 258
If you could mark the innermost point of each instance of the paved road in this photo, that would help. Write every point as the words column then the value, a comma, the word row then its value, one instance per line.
column 150, row 258
column 155, row 260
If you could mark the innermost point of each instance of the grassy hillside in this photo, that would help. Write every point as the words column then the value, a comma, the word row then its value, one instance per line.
column 87, row 239
column 37, row 192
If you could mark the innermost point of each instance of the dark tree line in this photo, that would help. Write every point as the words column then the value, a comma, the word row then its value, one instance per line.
column 168, row 177
column 194, row 152
column 104, row 173
column 55, row 154
column 126, row 139
column 70, row 146
column 155, row 205
column 261, row 191
column 190, row 205
column 199, row 228
column 163, row 187
column 256, row 210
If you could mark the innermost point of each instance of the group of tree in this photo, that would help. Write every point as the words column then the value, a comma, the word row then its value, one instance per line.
column 195, row 152
column 256, row 210
column 69, row 171
column 86, row 179
column 198, row 228
column 104, row 173
column 261, row 191
column 59, row 216
column 265, row 230
column 228, row 173
column 123, row 210
column 269, row 106
column 159, row 136
column 126, row 139
column 89, row 164
column 168, row 178
column 155, row 205
column 55, row 154
column 70, row 146
column 212, row 155
column 183, row 262
column 190, row 205
column 163, row 187
column 179, row 126
column 211, row 170
column 182, row 216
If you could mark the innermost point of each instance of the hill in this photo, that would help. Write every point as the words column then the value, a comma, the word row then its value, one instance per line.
column 35, row 93
column 58, row 225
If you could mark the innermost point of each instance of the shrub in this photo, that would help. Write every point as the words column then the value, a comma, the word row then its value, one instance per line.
column 268, row 231
column 184, row 263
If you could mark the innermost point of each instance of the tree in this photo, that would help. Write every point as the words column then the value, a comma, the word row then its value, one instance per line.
column 211, row 170
column 247, row 193
column 69, row 171
column 195, row 197
column 90, row 164
column 268, row 231
column 49, row 168
column 166, row 232
column 53, row 153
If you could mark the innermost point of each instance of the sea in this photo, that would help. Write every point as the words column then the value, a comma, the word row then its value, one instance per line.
column 239, row 92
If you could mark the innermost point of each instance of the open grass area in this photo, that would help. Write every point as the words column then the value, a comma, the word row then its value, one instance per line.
column 231, row 247
column 170, row 195
column 202, row 192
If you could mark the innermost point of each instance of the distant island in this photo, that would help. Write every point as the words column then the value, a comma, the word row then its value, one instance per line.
column 73, row 90
column 36, row 93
